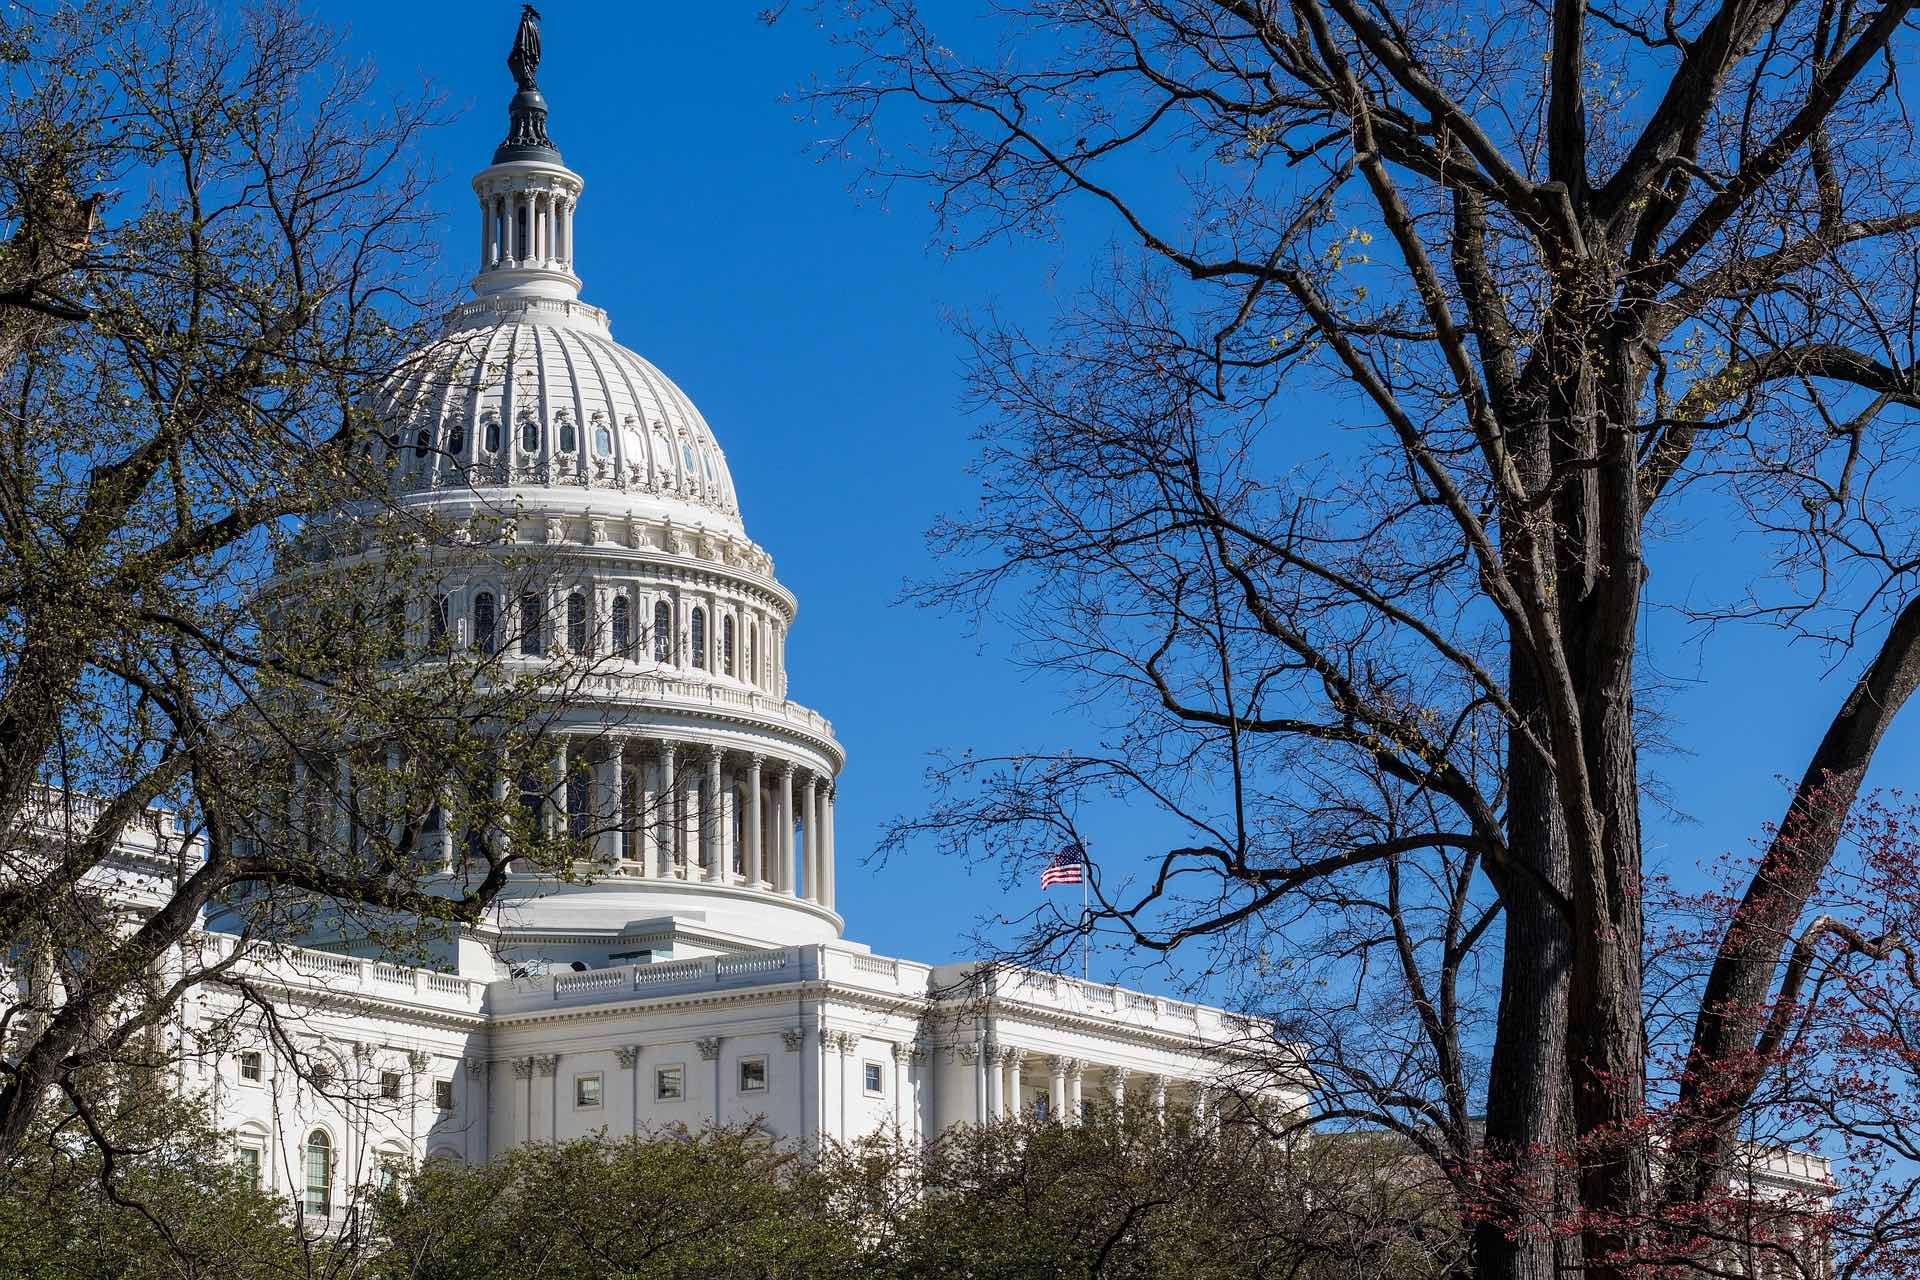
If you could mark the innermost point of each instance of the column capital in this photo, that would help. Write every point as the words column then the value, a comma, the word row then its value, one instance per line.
column 709, row 1047
column 667, row 748
column 628, row 1055
column 477, row 1067
column 1065, row 1066
column 901, row 1052
column 714, row 752
column 788, row 768
column 755, row 759
column 546, row 1063
column 794, row 1038
column 969, row 1052
column 523, row 1068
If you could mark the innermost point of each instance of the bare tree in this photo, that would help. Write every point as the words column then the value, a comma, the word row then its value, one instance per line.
column 215, row 248
column 1577, row 280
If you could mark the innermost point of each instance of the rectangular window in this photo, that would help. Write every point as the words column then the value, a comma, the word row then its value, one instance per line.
column 875, row 1079
column 443, row 1095
column 250, row 1067
column 249, row 1158
column 390, row 1085
column 586, row 1091
column 753, row 1075
column 669, row 1083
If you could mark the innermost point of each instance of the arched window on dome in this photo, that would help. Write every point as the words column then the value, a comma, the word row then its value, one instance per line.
column 602, row 439
column 422, row 442
column 567, row 438
column 484, row 638
column 439, row 610
column 697, row 636
column 726, row 645
column 532, row 629
column 662, row 632
column 579, row 636
column 456, row 438
column 490, row 434
column 317, row 1199
column 530, row 434
column 622, row 624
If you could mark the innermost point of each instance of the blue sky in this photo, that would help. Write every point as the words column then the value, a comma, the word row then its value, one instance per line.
column 809, row 327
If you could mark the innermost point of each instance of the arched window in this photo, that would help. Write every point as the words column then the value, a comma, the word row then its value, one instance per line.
column 456, row 438
column 697, row 636
column 532, row 632
column 421, row 441
column 726, row 645
column 602, row 440
column 437, row 613
column 662, row 632
column 483, row 634
column 567, row 440
column 579, row 639
column 529, row 435
column 622, row 626
column 490, row 437
column 318, row 1199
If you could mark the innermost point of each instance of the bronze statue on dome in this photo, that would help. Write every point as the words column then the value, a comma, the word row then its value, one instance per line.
column 524, row 59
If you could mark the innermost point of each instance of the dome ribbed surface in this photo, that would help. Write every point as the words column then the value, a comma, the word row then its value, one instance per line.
column 535, row 394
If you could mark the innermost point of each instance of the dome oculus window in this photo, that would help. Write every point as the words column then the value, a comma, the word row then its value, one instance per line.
column 579, row 637
column 622, row 624
column 532, row 637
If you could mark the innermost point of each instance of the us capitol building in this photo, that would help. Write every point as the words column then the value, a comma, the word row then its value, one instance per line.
column 702, row 976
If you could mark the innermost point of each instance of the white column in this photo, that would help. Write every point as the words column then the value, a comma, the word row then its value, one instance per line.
column 297, row 808
column 559, row 826
column 646, row 823
column 996, row 1083
column 1074, row 1098
column 1159, row 1099
column 1117, row 1084
column 667, row 825
column 714, row 820
column 486, row 230
column 343, row 804
column 1057, row 1089
column 1016, row 1058
column 787, row 883
column 810, row 811
column 502, row 794
column 756, row 872
column 606, row 807
column 826, row 846
column 443, row 838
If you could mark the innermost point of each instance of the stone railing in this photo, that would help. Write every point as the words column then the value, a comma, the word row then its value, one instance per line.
column 343, row 975
column 1064, row 994
column 740, row 969
column 707, row 695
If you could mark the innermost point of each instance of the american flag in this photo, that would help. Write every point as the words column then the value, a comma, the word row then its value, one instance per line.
column 1068, row 867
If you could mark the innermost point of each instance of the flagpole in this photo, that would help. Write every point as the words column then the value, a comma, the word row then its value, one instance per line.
column 1086, row 934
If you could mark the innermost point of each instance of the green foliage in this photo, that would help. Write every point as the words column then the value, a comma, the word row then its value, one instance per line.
column 133, row 1189
column 724, row 1203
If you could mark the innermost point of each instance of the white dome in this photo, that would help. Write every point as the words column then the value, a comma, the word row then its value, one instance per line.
column 533, row 393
